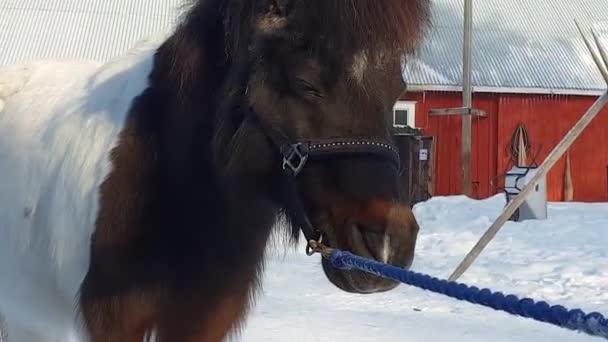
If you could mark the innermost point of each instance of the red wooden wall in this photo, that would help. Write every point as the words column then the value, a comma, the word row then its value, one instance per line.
column 547, row 119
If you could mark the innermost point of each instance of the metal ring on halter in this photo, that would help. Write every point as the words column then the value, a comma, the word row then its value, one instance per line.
column 313, row 245
column 318, row 247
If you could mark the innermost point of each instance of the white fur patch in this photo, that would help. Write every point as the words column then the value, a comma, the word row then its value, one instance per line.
column 58, row 125
column 386, row 248
column 271, row 23
column 364, row 62
column 360, row 65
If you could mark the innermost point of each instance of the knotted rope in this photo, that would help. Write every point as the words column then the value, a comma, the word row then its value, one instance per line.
column 594, row 323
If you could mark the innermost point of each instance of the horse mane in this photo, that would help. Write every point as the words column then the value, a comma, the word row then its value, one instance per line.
column 373, row 25
column 345, row 25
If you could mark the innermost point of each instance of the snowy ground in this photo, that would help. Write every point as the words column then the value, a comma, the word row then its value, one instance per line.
column 563, row 260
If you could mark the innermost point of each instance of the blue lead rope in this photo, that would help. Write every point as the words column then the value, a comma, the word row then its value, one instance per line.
column 594, row 324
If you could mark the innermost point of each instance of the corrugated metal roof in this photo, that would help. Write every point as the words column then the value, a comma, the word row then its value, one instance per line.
column 91, row 29
column 517, row 44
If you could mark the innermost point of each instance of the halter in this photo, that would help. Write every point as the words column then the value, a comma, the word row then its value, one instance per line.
column 296, row 155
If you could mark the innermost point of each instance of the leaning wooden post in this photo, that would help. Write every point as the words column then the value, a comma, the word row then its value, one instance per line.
column 602, row 63
column 596, row 57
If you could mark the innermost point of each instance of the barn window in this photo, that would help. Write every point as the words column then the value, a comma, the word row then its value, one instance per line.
column 404, row 114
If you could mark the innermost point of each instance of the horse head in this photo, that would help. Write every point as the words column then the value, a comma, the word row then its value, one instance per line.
column 313, row 83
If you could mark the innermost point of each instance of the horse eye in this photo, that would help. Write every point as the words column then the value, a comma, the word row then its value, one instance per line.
column 307, row 87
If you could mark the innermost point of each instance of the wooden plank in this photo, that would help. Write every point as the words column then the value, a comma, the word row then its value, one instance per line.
column 542, row 171
column 457, row 111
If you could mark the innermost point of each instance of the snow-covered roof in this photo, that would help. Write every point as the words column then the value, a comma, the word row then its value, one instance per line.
column 74, row 29
column 518, row 45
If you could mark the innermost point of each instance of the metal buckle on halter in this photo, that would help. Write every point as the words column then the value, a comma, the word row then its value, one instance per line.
column 295, row 158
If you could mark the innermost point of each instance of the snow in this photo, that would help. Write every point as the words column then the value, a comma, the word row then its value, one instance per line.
column 562, row 260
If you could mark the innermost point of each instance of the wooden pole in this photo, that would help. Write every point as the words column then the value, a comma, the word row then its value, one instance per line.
column 522, row 157
column 568, row 187
column 3, row 332
column 597, row 58
column 553, row 157
column 603, row 55
column 467, row 97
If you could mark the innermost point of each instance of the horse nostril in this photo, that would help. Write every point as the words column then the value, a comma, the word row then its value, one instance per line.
column 373, row 226
column 375, row 241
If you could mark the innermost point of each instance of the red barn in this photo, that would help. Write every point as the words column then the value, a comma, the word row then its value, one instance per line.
column 530, row 66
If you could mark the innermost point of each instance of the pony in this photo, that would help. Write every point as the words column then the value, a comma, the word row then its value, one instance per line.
column 138, row 197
